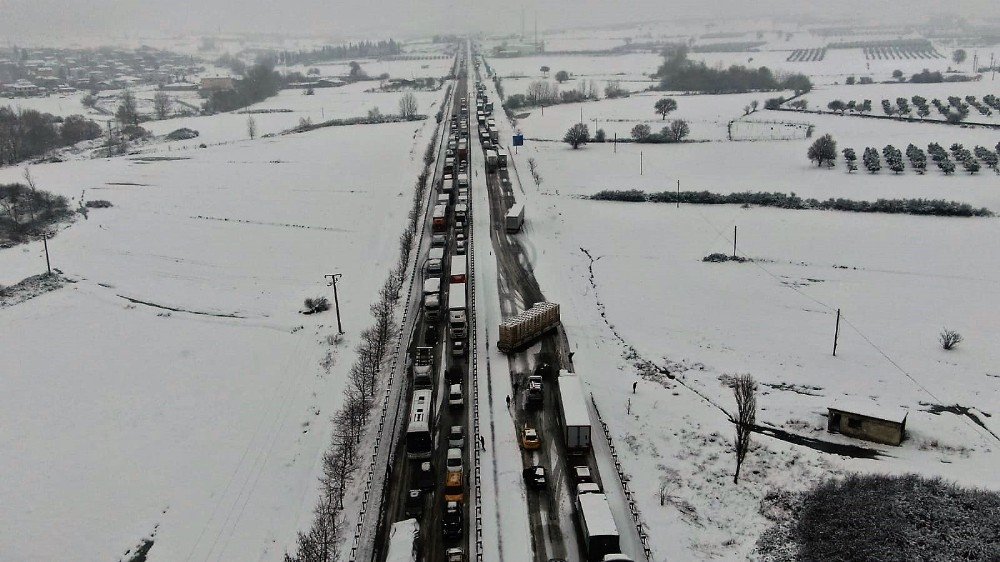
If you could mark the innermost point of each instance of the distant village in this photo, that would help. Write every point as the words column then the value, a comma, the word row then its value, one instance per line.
column 42, row 72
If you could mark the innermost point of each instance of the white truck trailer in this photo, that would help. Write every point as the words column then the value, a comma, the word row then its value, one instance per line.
column 573, row 412
column 515, row 218
column 457, row 317
column 600, row 534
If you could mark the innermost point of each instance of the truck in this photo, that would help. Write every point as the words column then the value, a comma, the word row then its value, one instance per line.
column 494, row 135
column 527, row 326
column 457, row 318
column 463, row 180
column 573, row 414
column 597, row 525
column 440, row 220
column 502, row 160
column 404, row 541
column 515, row 218
column 458, row 269
column 535, row 398
column 463, row 149
column 423, row 364
column 491, row 160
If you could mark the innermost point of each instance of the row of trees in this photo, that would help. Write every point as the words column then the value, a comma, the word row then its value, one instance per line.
column 936, row 207
column 28, row 133
column 364, row 49
column 579, row 134
column 544, row 93
column 918, row 158
column 680, row 74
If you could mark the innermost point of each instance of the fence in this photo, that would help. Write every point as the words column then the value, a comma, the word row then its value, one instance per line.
column 629, row 496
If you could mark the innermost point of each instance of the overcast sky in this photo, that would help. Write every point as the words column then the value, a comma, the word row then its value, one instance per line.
column 35, row 21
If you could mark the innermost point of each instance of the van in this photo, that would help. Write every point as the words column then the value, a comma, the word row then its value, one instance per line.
column 455, row 397
column 460, row 211
column 432, row 267
column 454, row 460
column 443, row 199
column 463, row 181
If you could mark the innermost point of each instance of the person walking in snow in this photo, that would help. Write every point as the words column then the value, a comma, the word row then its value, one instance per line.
column 508, row 401
column 482, row 442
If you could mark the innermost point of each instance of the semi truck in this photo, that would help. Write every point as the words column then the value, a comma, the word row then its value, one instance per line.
column 440, row 220
column 404, row 541
column 573, row 413
column 515, row 218
column 502, row 160
column 457, row 317
column 597, row 524
column 527, row 326
column 458, row 269
column 491, row 160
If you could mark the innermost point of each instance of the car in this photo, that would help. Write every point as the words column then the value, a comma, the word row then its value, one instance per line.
column 452, row 521
column 460, row 235
column 439, row 241
column 455, row 396
column 425, row 476
column 460, row 247
column 581, row 475
column 457, row 348
column 530, row 439
column 456, row 437
column 454, row 462
column 454, row 374
column 454, row 555
column 414, row 503
column 431, row 335
column 534, row 476
column 453, row 491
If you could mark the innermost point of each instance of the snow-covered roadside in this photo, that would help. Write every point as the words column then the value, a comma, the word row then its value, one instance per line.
column 208, row 429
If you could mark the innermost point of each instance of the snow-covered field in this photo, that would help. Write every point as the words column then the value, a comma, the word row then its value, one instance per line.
column 633, row 288
column 204, row 425
column 899, row 280
column 726, row 167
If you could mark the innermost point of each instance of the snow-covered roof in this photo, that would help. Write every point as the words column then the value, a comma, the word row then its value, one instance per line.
column 574, row 403
column 597, row 513
column 871, row 410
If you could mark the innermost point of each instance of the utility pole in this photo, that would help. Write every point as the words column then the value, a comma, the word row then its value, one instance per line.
column 836, row 334
column 678, row 194
column 640, row 162
column 48, row 264
column 616, row 143
column 734, row 241
column 336, row 301
column 109, row 138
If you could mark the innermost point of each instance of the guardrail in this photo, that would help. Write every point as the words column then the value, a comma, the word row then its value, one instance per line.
column 474, row 381
column 373, row 464
column 629, row 496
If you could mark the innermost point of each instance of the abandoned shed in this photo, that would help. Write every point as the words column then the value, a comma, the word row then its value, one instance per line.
column 868, row 421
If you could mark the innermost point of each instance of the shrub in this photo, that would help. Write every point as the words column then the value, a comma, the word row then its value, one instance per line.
column 640, row 132
column 949, row 338
column 629, row 195
column 823, row 149
column 577, row 135
column 98, row 204
column 600, row 136
column 318, row 304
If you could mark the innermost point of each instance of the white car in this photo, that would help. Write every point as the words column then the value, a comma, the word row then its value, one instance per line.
column 455, row 398
column 454, row 462
column 438, row 241
column 456, row 437
column 460, row 248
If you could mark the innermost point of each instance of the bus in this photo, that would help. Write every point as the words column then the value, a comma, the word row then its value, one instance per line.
column 419, row 442
column 404, row 538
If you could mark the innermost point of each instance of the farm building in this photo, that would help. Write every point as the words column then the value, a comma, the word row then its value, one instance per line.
column 868, row 421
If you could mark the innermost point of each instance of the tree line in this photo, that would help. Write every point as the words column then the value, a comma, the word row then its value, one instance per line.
column 363, row 49
column 936, row 207
column 27, row 133
column 678, row 73
column 259, row 82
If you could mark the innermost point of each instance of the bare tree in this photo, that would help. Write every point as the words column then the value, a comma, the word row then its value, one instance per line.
column 538, row 92
column 162, row 105
column 251, row 127
column 30, row 181
column 745, row 390
column 408, row 105
column 949, row 338
column 677, row 130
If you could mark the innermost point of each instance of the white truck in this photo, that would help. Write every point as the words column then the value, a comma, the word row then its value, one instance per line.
column 457, row 317
column 600, row 534
column 514, row 219
column 491, row 160
column 527, row 326
column 432, row 297
column 573, row 413
column 404, row 540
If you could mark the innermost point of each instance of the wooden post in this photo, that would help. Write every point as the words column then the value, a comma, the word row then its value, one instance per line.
column 836, row 334
column 678, row 194
column 48, row 264
column 734, row 241
column 616, row 143
column 640, row 162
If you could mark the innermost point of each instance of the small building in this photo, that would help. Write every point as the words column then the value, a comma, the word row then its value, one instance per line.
column 868, row 421
column 216, row 84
